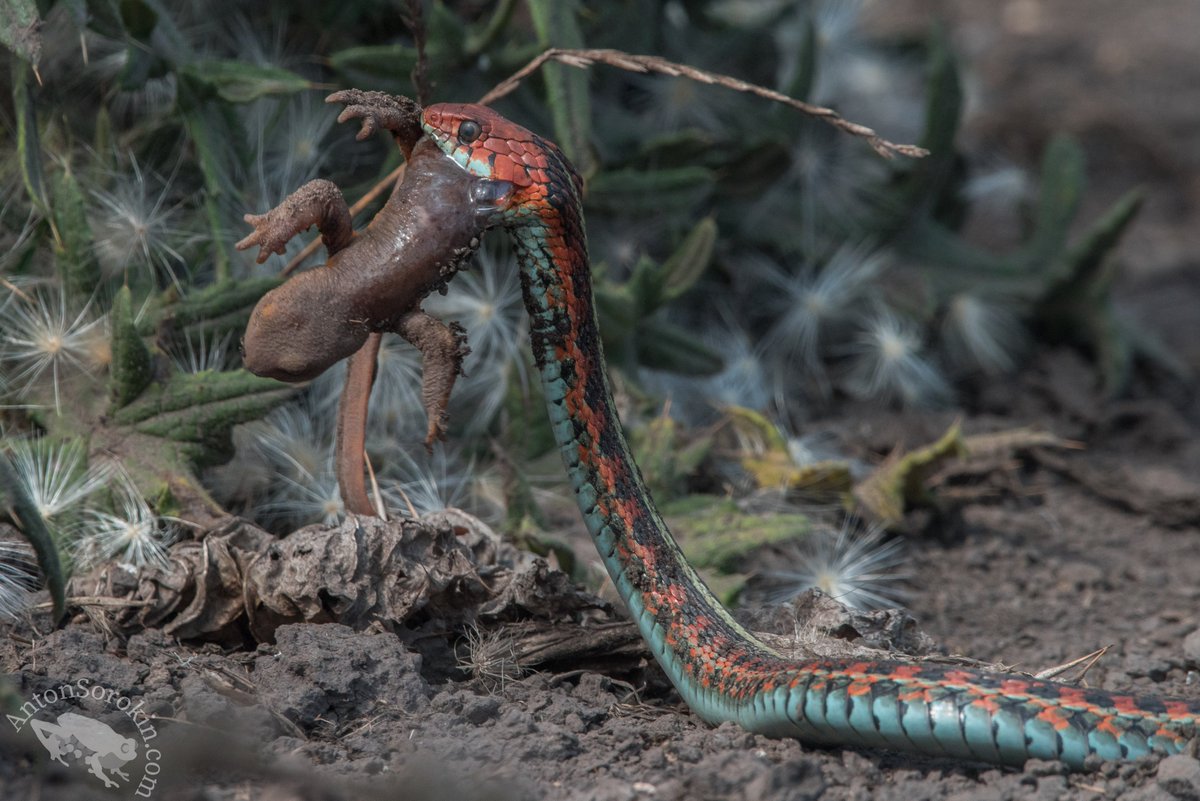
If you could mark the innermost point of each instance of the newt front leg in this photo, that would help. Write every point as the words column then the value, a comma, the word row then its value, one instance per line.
column 396, row 114
column 318, row 203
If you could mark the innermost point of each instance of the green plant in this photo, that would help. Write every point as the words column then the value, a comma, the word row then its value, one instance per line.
column 141, row 131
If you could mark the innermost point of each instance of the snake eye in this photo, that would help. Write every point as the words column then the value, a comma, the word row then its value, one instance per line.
column 468, row 131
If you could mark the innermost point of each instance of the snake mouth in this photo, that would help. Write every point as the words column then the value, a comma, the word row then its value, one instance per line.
column 491, row 195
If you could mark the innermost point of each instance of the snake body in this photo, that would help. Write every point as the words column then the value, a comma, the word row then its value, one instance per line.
column 720, row 669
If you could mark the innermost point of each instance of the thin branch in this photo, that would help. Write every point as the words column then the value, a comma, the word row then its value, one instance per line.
column 414, row 19
column 647, row 64
column 1087, row 660
column 380, row 508
column 96, row 600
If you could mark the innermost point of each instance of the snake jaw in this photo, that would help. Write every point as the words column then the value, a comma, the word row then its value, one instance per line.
column 491, row 196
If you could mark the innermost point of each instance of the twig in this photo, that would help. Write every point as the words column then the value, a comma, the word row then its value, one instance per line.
column 645, row 64
column 412, row 510
column 16, row 290
column 95, row 600
column 1091, row 659
column 380, row 509
column 414, row 19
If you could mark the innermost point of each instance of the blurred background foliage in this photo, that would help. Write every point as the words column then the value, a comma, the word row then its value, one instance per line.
column 746, row 257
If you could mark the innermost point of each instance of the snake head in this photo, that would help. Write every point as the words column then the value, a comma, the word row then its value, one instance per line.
column 518, row 164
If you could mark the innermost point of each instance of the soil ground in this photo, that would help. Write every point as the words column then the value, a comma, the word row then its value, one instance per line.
column 1102, row 550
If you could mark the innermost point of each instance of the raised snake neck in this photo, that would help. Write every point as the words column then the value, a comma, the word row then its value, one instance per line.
column 721, row 670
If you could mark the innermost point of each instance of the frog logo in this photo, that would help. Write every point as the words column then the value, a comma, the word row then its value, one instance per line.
column 89, row 741
column 55, row 717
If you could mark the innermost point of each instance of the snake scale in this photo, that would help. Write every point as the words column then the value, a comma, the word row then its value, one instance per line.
column 721, row 670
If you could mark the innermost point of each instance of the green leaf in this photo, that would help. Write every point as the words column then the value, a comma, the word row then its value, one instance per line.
column 76, row 263
column 615, row 307
column 645, row 286
column 374, row 62
column 1063, row 181
column 482, row 34
column 131, row 368
column 806, row 63
column 943, row 106
column 20, row 29
column 665, row 346
column 102, row 142
column 214, row 310
column 29, row 145
column 689, row 261
column 659, row 192
column 446, row 38
column 14, row 499
column 1087, row 268
column 141, row 64
column 526, row 431
column 212, row 126
column 715, row 534
column 1077, row 305
column 199, row 410
column 900, row 481
column 925, row 183
column 239, row 82
column 666, row 457
column 566, row 87
column 102, row 16
column 683, row 148
column 138, row 18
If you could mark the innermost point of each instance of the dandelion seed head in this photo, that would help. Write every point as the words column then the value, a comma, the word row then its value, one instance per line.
column 200, row 354
column 806, row 305
column 981, row 334
column 296, row 439
column 131, row 534
column 136, row 225
column 396, row 410
column 852, row 564
column 618, row 242
column 289, row 135
column 425, row 482
column 487, row 302
column 303, row 497
column 829, row 192
column 40, row 337
column 888, row 364
column 998, row 185
column 744, row 380
column 677, row 103
column 18, row 578
column 57, row 478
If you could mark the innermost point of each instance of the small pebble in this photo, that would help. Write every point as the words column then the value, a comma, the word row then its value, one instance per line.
column 1191, row 646
column 1179, row 775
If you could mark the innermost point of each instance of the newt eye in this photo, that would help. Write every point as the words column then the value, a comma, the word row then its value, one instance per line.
column 468, row 131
